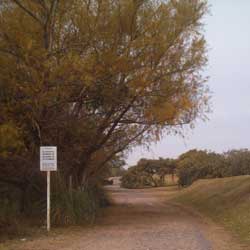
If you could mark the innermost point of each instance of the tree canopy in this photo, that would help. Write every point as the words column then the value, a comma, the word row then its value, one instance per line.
column 95, row 78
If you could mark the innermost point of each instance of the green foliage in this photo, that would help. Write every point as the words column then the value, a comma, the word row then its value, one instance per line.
column 189, row 167
column 74, row 207
column 195, row 165
column 117, row 167
column 69, row 207
column 148, row 173
column 238, row 162
column 135, row 178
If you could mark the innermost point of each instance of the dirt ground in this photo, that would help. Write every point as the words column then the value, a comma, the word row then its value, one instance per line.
column 138, row 220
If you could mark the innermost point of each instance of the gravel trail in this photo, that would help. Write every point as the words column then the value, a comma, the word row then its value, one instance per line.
column 138, row 220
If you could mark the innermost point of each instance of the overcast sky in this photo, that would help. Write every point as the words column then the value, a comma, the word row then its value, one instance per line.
column 228, row 35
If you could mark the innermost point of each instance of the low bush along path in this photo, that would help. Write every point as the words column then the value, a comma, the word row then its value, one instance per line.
column 139, row 220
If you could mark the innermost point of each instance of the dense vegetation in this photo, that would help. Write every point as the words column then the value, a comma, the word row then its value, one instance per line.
column 148, row 173
column 189, row 167
column 94, row 78
column 225, row 200
column 117, row 168
column 196, row 164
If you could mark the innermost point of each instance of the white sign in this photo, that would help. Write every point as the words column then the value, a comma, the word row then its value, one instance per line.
column 48, row 162
column 48, row 158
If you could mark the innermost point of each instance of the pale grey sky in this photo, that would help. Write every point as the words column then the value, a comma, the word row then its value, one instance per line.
column 228, row 35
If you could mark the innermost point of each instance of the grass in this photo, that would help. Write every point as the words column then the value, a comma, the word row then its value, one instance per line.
column 225, row 200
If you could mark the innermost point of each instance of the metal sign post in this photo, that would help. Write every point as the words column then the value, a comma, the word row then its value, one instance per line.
column 48, row 201
column 48, row 163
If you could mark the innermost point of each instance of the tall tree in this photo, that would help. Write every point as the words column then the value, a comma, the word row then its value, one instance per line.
column 97, row 77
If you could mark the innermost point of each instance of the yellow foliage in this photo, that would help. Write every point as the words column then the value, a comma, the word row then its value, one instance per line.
column 99, row 76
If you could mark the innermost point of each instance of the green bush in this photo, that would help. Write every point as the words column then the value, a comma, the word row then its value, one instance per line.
column 148, row 173
column 195, row 165
column 189, row 167
column 68, row 207
column 135, row 180
column 141, row 176
column 76, row 206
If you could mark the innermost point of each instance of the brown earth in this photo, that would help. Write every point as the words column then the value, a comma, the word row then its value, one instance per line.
column 138, row 220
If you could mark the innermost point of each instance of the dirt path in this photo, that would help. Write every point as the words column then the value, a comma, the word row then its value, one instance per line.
column 139, row 220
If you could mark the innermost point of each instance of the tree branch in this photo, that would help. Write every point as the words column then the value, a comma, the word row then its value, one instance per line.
column 27, row 11
column 120, row 149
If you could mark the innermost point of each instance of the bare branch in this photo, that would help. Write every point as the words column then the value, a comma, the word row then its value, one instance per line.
column 27, row 11
column 120, row 149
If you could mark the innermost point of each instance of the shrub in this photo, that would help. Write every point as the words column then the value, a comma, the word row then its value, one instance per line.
column 133, row 179
column 149, row 173
column 73, row 207
column 195, row 165
column 68, row 207
column 76, row 206
column 145, row 174
column 238, row 162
